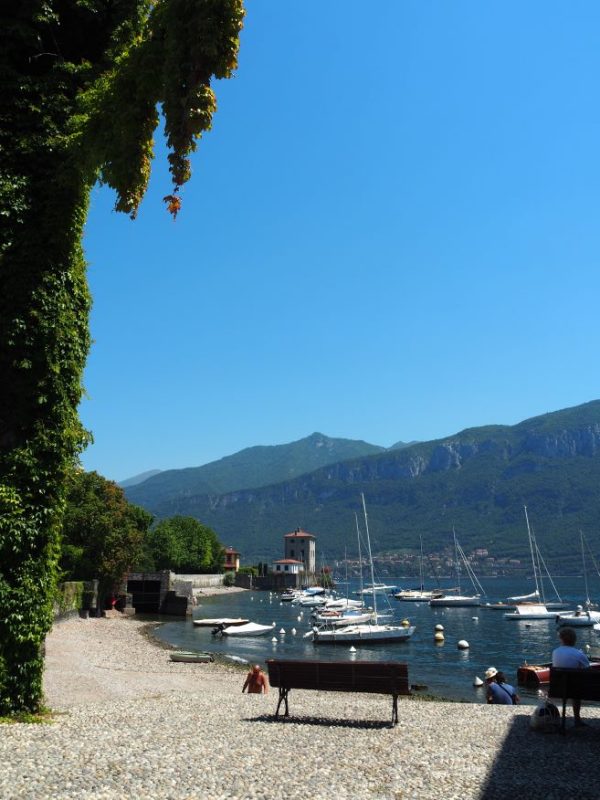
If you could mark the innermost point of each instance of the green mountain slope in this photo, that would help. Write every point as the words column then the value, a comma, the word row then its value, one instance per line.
column 248, row 469
column 477, row 480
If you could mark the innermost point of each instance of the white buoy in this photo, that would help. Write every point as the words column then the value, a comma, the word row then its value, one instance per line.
column 463, row 644
column 251, row 598
column 477, row 681
column 281, row 630
column 299, row 617
column 405, row 623
column 272, row 624
column 293, row 631
column 274, row 640
column 352, row 649
column 438, row 636
column 439, row 627
column 475, row 618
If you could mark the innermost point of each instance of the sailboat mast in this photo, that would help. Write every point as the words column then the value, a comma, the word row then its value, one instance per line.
column 360, row 572
column 421, row 564
column 456, row 561
column 370, row 558
column 585, row 581
column 535, row 577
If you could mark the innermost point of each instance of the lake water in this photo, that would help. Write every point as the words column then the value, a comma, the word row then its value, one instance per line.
column 444, row 669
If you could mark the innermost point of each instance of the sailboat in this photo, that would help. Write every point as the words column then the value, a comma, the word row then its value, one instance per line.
column 420, row 595
column 459, row 600
column 583, row 616
column 534, row 608
column 370, row 632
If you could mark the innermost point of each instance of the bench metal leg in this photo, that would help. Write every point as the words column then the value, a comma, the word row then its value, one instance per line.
column 564, row 717
column 395, row 709
column 283, row 696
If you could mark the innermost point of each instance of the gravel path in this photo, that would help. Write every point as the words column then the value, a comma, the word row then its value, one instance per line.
column 132, row 724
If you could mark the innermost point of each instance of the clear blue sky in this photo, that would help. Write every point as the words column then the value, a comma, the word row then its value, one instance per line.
column 391, row 233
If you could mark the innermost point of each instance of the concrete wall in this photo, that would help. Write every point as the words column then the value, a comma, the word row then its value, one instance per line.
column 201, row 581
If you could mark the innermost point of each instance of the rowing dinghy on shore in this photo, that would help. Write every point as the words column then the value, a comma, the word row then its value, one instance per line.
column 227, row 621
column 191, row 657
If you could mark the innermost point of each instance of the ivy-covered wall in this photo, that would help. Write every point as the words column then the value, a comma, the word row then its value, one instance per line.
column 79, row 87
column 68, row 598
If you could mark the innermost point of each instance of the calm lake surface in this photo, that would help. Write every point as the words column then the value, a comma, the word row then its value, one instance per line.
column 444, row 669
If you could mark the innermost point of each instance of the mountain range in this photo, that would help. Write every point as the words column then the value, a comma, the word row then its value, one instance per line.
column 476, row 481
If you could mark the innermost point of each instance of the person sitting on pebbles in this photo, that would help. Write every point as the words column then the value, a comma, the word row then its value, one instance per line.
column 498, row 691
column 256, row 681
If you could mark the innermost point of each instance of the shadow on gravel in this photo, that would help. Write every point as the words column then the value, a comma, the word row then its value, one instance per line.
column 545, row 766
column 321, row 721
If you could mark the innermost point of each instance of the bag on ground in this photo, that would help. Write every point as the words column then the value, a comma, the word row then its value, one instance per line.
column 545, row 718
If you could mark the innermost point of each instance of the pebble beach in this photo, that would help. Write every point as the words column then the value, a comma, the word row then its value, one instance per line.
column 129, row 723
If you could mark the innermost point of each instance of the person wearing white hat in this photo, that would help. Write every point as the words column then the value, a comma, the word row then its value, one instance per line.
column 497, row 690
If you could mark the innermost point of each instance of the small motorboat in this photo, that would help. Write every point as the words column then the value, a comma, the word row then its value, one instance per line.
column 534, row 675
column 580, row 618
column 249, row 629
column 211, row 623
column 191, row 657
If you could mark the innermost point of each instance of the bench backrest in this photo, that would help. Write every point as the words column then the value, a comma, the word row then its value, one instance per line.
column 582, row 684
column 380, row 677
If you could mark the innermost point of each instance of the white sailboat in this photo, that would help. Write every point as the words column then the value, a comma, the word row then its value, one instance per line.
column 420, row 595
column 459, row 600
column 372, row 631
column 583, row 616
column 532, row 609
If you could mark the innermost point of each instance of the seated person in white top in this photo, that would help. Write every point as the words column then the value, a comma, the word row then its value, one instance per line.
column 569, row 657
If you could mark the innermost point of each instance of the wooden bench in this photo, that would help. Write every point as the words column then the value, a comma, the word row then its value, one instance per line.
column 576, row 684
column 378, row 677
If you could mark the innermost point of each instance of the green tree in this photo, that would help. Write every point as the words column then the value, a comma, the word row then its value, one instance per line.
column 184, row 545
column 80, row 84
column 103, row 534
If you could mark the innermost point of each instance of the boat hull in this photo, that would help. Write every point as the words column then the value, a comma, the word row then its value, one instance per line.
column 587, row 619
column 454, row 602
column 539, row 675
column 210, row 623
column 189, row 657
column 251, row 629
column 364, row 634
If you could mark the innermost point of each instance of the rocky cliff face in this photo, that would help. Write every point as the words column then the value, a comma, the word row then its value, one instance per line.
column 584, row 441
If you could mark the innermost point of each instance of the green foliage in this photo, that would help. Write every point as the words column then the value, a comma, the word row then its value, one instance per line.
column 80, row 81
column 229, row 579
column 184, row 545
column 254, row 571
column 103, row 534
column 68, row 597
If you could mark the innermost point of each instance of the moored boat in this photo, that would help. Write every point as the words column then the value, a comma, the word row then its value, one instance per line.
column 367, row 632
column 211, row 623
column 191, row 657
column 372, row 631
column 580, row 618
column 450, row 600
column 249, row 629
column 530, row 611
column 341, row 619
column 533, row 675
